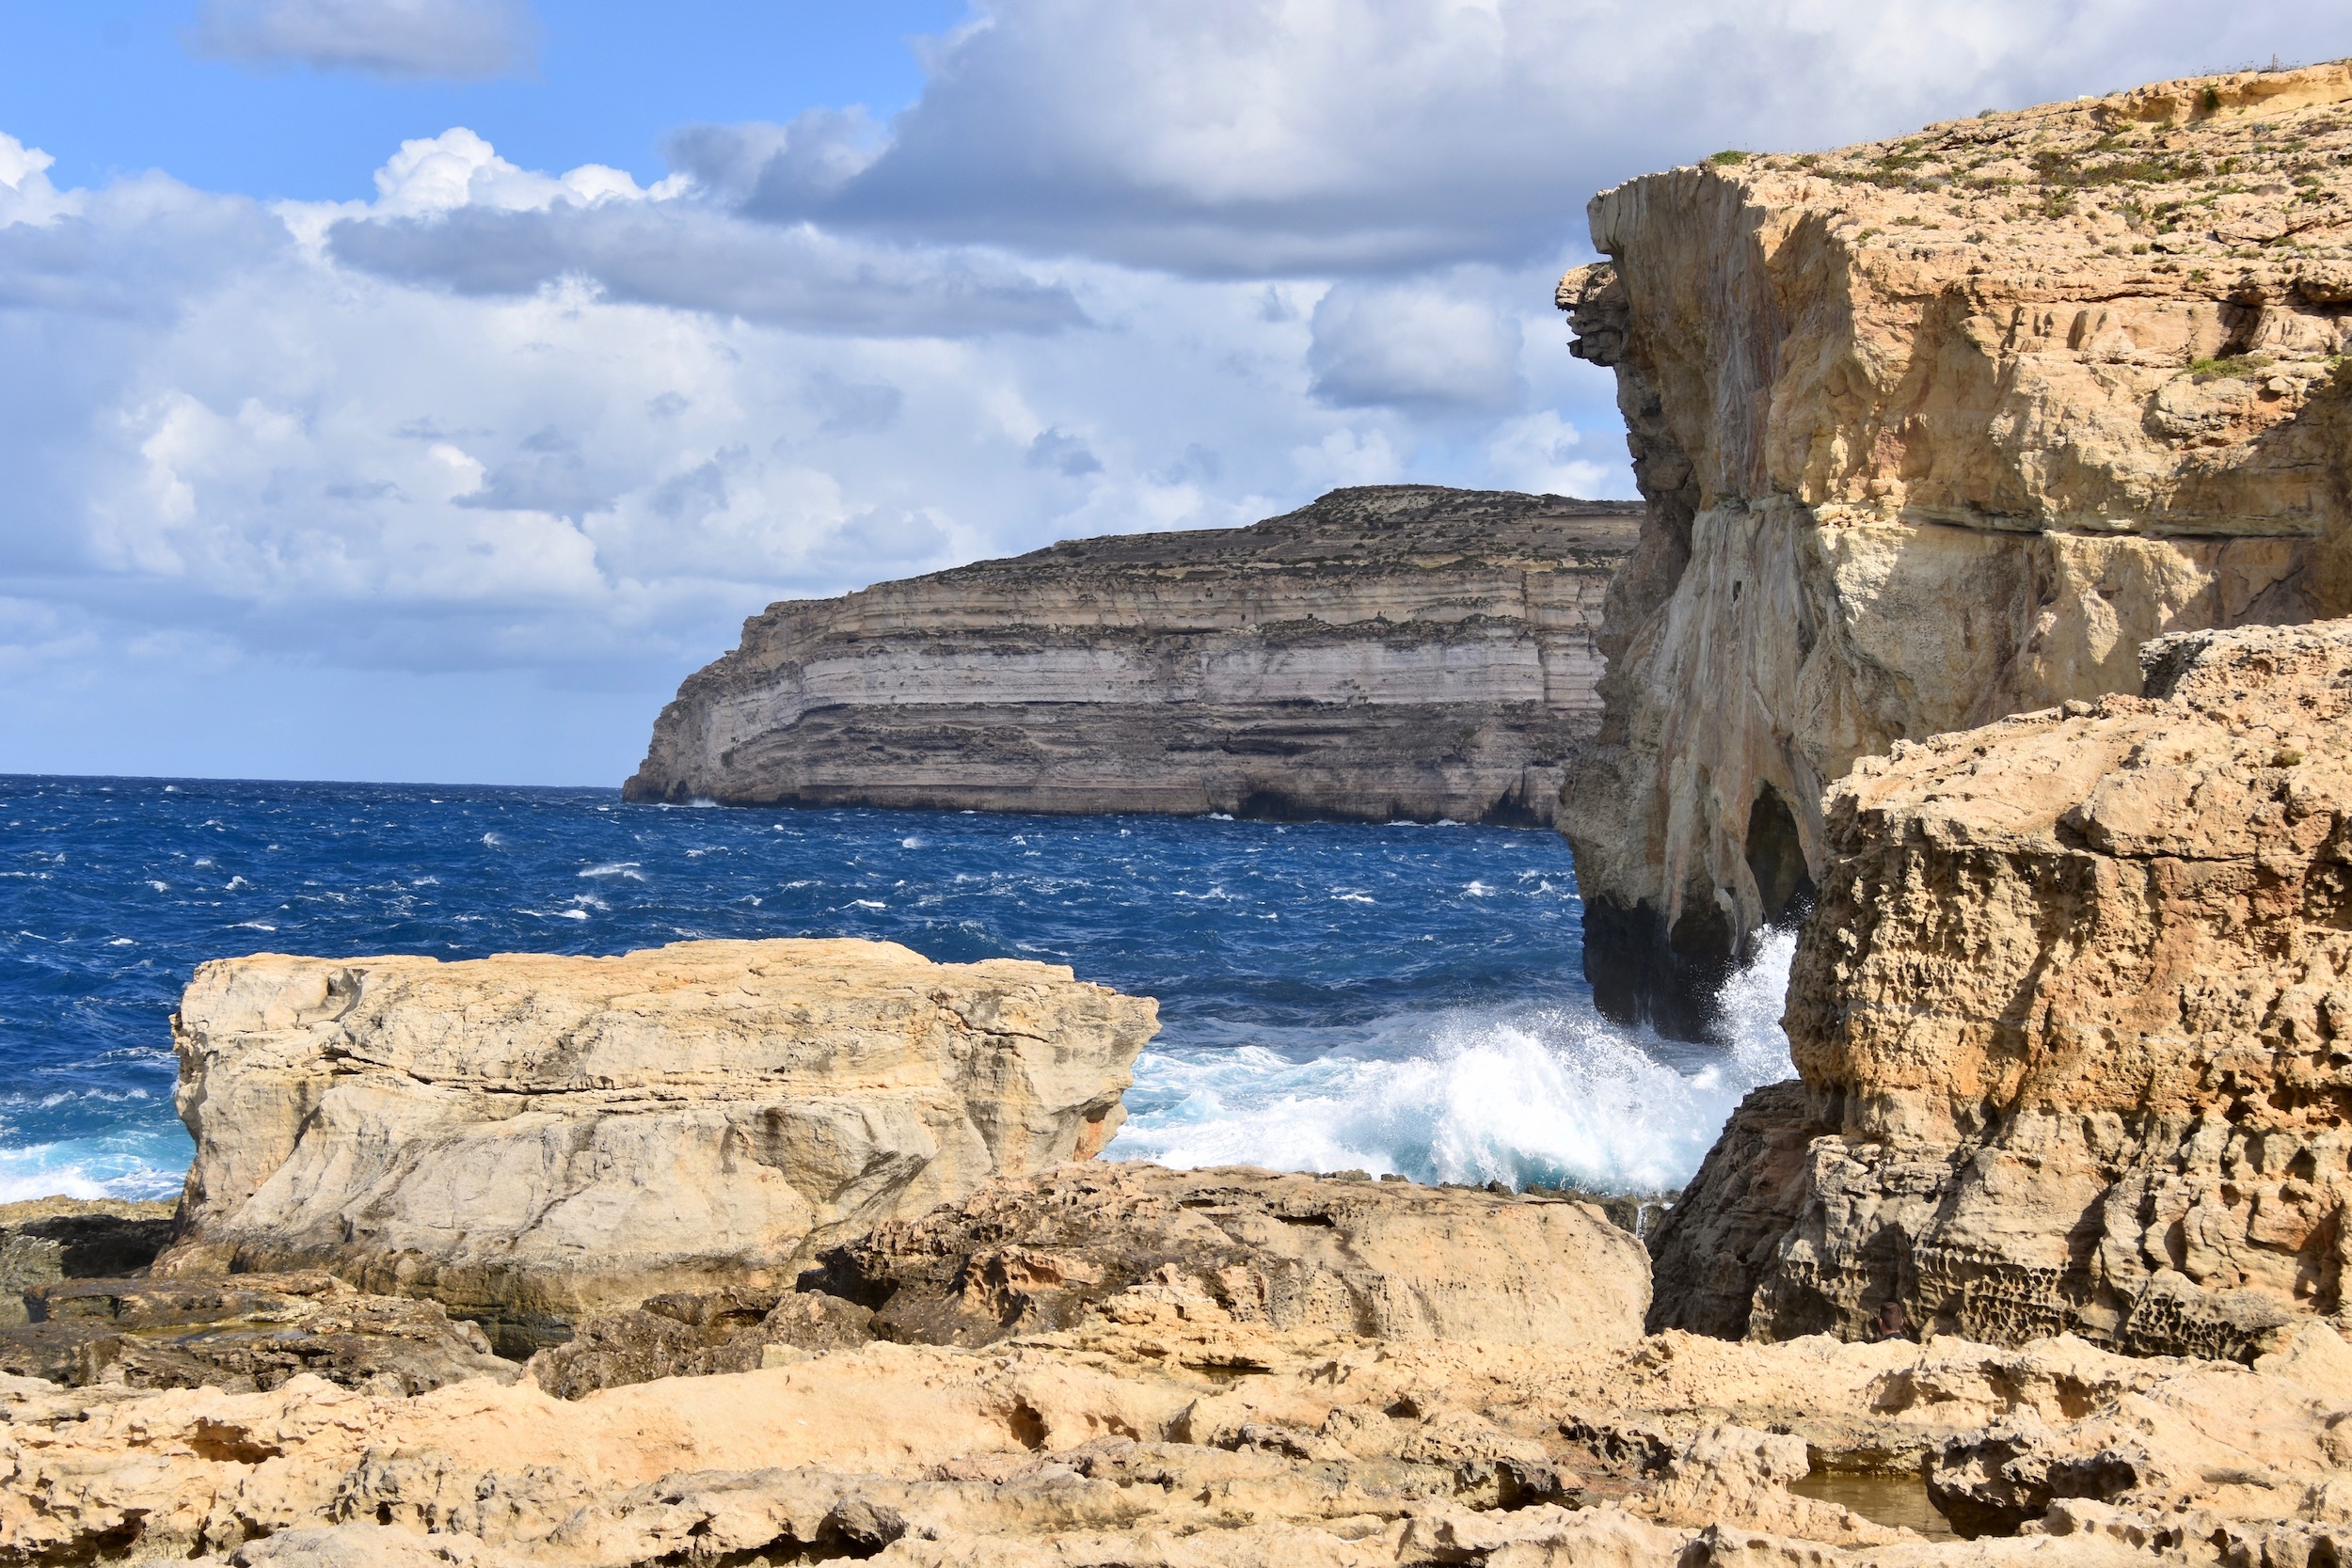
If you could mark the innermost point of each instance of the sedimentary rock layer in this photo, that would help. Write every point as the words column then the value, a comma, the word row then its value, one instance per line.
column 2074, row 1024
column 527, row 1137
column 1400, row 652
column 1934, row 430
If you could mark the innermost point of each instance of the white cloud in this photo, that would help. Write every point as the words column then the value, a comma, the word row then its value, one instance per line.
column 1423, row 347
column 404, row 40
column 1238, row 138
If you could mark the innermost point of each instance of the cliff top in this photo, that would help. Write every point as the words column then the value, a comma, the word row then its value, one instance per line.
column 2236, row 187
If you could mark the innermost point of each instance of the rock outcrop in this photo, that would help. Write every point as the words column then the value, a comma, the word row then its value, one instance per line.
column 1935, row 430
column 2074, row 1026
column 1383, row 1260
column 529, row 1138
column 1399, row 652
column 50, row 1239
column 1171, row 1435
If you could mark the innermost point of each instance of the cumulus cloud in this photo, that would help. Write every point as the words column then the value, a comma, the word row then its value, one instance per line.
column 451, row 213
column 1239, row 138
column 402, row 39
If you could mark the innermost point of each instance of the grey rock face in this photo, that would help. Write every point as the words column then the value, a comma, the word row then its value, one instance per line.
column 1399, row 652
column 242, row 1334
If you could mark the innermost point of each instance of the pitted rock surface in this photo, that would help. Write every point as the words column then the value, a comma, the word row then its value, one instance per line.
column 2076, row 1017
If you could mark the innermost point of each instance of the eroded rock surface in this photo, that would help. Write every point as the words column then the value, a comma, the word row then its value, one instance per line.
column 49, row 1238
column 1133, row 1441
column 1383, row 1260
column 2075, row 1014
column 1935, row 430
column 530, row 1137
column 1390, row 651
column 248, row 1332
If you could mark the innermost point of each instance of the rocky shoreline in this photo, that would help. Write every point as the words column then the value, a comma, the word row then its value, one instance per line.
column 800, row 1251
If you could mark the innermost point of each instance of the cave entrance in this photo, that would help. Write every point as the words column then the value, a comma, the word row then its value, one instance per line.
column 1776, row 860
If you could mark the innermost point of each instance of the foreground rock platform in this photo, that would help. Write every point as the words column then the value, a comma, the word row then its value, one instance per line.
column 2074, row 1026
column 1389, row 652
column 529, row 1138
column 1934, row 430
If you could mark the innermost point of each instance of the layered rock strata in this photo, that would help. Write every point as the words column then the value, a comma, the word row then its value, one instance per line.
column 50, row 1239
column 1400, row 652
column 2074, row 1025
column 1934, row 430
column 528, row 1137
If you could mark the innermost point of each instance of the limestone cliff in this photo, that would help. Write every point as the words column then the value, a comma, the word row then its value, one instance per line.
column 2074, row 1024
column 1401, row 652
column 529, row 1136
column 1932, row 431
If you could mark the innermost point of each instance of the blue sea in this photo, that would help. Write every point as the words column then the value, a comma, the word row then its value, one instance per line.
column 1401, row 998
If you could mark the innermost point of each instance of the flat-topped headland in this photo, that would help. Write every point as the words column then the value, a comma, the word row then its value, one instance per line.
column 1388, row 653
column 1934, row 430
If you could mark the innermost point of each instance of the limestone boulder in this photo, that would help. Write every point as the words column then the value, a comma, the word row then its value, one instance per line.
column 1383, row 1260
column 2074, row 1026
column 530, row 1137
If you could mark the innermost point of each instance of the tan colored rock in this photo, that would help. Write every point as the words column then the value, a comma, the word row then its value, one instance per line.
column 1124, row 1442
column 1390, row 651
column 1935, row 430
column 1383, row 1260
column 2077, row 1015
column 528, row 1137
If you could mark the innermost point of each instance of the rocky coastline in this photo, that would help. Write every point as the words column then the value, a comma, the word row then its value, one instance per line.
column 1389, row 652
column 1934, row 430
column 788, row 1252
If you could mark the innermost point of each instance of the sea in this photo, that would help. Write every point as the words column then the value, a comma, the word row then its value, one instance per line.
column 1401, row 998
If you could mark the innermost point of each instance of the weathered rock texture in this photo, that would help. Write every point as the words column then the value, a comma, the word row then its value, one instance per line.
column 528, row 1137
column 1383, row 1260
column 1162, row 1433
column 1394, row 651
column 49, row 1238
column 1932, row 431
column 2074, row 1024
column 245, row 1333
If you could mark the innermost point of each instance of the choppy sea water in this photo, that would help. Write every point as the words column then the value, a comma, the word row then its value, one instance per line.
column 1401, row 998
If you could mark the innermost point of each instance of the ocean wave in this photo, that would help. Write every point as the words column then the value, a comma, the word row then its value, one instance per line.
column 631, row 869
column 1524, row 1096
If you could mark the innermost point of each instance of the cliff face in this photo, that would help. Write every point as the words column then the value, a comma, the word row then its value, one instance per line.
column 1933, row 431
column 2074, row 1023
column 1394, row 652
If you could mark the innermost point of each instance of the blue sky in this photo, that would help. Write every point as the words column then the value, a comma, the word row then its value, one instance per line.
column 419, row 389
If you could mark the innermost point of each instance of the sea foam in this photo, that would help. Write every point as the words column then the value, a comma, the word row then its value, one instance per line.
column 1552, row 1095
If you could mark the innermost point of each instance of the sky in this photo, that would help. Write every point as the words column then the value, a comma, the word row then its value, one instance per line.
column 418, row 389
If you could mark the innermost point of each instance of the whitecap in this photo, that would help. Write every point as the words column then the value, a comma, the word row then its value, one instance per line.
column 234, row 883
column 629, row 869
column 251, row 925
column 494, row 841
column 1526, row 1095
column 911, row 842
column 1478, row 890
column 866, row 904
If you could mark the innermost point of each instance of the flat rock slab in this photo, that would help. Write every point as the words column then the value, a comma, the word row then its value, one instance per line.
column 1384, row 1260
column 531, row 1137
